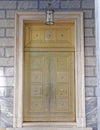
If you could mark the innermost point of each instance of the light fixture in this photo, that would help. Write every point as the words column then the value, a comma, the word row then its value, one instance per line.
column 49, row 14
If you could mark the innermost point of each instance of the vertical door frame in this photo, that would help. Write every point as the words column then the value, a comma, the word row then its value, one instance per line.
column 79, row 68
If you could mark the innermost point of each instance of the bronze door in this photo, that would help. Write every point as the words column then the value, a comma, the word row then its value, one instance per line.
column 49, row 93
column 49, row 72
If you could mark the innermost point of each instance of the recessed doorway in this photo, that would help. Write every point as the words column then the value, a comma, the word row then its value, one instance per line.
column 49, row 74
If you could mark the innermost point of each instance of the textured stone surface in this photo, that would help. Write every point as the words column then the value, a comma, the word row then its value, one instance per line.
column 6, row 4
column 7, row 23
column 6, row 62
column 91, row 81
column 90, row 91
column 88, row 4
column 9, row 92
column 2, row 13
column 1, row 52
column 27, row 5
column 90, row 41
column 89, row 51
column 88, row 13
column 90, row 71
column 94, row 50
column 1, row 91
column 90, row 61
column 10, row 32
column 67, row 4
column 89, row 32
column 6, row 81
column 89, row 23
column 10, row 14
column 8, row 42
column 2, row 32
column 9, row 71
column 44, row 4
column 1, row 71
column 6, row 111
column 91, row 112
column 9, row 52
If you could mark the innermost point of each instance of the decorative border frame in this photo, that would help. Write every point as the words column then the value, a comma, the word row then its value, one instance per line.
column 79, row 68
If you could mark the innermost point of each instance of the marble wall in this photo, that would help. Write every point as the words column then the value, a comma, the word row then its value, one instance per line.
column 8, row 9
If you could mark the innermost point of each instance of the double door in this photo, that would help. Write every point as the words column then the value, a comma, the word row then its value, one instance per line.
column 49, row 86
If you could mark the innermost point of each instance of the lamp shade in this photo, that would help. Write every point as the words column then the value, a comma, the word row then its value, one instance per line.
column 49, row 17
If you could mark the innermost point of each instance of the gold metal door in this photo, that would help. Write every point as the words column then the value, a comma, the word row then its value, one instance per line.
column 49, row 76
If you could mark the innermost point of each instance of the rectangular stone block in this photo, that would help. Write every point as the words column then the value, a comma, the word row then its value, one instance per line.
column 1, row 52
column 90, row 61
column 2, row 32
column 95, row 71
column 10, row 32
column 70, row 4
column 9, row 52
column 90, row 91
column 2, row 91
column 89, row 51
column 90, row 71
column 88, row 13
column 94, row 51
column 9, row 92
column 1, row 71
column 5, row 4
column 9, row 71
column 26, row 5
column 7, row 23
column 44, row 4
column 89, row 23
column 2, row 13
column 91, row 81
column 6, row 62
column 10, row 14
column 8, row 42
column 90, row 42
column 88, row 4
column 89, row 32
column 96, row 91
column 91, row 112
column 6, row 81
column 93, row 31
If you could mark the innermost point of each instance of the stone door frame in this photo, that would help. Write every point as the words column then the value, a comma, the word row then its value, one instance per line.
column 79, row 69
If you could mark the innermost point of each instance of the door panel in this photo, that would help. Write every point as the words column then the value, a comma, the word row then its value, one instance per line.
column 62, row 87
column 36, row 87
column 49, row 86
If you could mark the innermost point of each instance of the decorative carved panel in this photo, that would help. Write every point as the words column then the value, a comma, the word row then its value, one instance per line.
column 41, row 35
column 36, row 85
column 49, row 87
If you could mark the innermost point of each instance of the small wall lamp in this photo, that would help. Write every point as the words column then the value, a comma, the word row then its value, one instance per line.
column 49, row 15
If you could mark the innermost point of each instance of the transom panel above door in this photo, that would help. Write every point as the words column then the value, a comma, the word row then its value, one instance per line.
column 46, row 36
